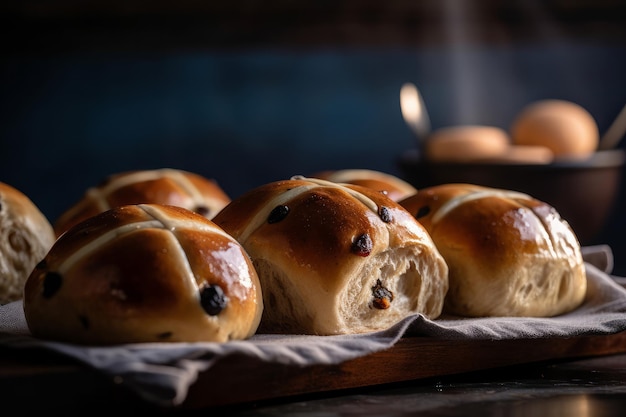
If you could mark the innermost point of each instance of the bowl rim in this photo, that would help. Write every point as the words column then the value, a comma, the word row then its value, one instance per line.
column 609, row 158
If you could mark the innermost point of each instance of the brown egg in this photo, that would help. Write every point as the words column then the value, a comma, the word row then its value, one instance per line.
column 566, row 128
column 523, row 154
column 466, row 143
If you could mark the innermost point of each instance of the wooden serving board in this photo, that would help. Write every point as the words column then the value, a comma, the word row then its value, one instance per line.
column 239, row 379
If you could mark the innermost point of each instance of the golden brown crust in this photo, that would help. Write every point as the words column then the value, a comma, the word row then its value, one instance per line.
column 161, row 186
column 508, row 253
column 141, row 273
column 320, row 248
column 390, row 185
column 25, row 237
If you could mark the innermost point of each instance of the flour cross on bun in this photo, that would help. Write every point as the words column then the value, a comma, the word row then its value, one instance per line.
column 278, row 203
column 144, row 273
column 165, row 186
column 388, row 184
column 335, row 258
column 478, row 194
column 508, row 253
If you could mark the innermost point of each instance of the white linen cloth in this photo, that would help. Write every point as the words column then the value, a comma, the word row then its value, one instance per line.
column 161, row 373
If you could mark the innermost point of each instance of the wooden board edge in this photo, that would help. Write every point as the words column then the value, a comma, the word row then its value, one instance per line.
column 236, row 380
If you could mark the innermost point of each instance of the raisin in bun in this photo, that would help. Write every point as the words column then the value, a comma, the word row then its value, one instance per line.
column 509, row 254
column 144, row 273
column 334, row 258
column 159, row 186
column 394, row 187
column 25, row 237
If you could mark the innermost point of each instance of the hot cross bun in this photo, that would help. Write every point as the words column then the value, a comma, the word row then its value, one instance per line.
column 509, row 254
column 144, row 273
column 159, row 186
column 25, row 237
column 335, row 258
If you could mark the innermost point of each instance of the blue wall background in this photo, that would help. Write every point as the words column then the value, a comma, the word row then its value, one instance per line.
column 248, row 116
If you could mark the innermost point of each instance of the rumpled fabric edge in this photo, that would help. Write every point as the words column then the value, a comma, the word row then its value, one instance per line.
column 602, row 312
column 162, row 373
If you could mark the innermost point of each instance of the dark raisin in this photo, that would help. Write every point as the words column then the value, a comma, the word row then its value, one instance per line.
column 382, row 296
column 213, row 299
column 423, row 211
column 362, row 245
column 278, row 214
column 164, row 335
column 384, row 214
column 51, row 284
column 202, row 210
column 84, row 321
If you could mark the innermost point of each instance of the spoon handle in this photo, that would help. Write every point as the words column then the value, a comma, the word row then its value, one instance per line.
column 615, row 132
column 414, row 111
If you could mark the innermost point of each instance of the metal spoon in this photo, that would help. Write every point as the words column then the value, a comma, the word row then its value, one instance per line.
column 414, row 111
column 615, row 132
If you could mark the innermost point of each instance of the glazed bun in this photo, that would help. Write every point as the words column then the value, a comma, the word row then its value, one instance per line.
column 335, row 259
column 25, row 237
column 390, row 185
column 508, row 253
column 165, row 186
column 144, row 273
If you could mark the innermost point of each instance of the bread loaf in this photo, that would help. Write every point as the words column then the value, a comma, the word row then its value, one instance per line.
column 159, row 186
column 335, row 258
column 25, row 237
column 508, row 254
column 144, row 273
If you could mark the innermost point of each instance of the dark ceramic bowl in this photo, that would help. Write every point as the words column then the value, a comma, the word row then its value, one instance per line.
column 583, row 192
